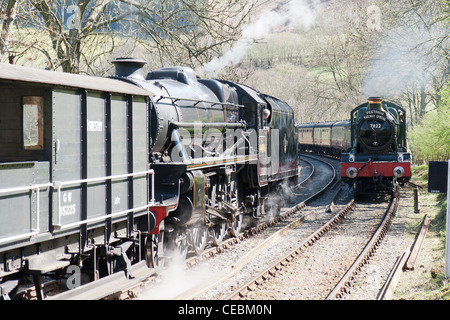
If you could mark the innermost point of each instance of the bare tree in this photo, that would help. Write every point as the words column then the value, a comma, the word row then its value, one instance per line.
column 341, row 49
column 191, row 32
column 397, row 49
column 415, row 53
column 8, row 16
column 86, row 31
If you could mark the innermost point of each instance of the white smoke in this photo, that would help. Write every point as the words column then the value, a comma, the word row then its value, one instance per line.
column 404, row 58
column 176, row 279
column 296, row 14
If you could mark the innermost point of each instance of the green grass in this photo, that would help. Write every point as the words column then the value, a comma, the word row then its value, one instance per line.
column 427, row 281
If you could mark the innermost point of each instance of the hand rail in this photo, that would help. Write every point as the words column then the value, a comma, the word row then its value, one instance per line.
column 58, row 185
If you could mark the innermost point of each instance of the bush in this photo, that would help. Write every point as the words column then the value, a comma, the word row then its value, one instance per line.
column 430, row 139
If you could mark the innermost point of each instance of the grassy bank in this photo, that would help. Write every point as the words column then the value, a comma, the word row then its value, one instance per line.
column 427, row 280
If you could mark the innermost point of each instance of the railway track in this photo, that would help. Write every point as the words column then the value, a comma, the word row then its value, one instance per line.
column 338, row 280
column 274, row 268
column 345, row 283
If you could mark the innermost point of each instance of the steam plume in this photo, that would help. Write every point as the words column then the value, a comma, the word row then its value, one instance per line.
column 297, row 14
column 405, row 58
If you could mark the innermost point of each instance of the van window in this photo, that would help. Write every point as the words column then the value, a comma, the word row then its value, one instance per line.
column 33, row 122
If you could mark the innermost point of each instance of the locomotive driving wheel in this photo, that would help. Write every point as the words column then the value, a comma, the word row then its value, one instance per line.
column 181, row 243
column 177, row 243
column 219, row 229
column 199, row 239
column 236, row 224
column 218, row 232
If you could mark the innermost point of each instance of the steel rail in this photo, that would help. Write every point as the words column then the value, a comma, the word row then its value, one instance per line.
column 314, row 196
column 405, row 262
column 389, row 286
column 274, row 268
column 345, row 283
column 310, row 174
column 417, row 246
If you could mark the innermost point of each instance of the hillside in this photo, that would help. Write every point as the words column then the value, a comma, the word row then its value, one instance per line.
column 344, row 51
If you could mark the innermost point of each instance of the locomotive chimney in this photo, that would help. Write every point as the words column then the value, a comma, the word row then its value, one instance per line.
column 375, row 103
column 129, row 68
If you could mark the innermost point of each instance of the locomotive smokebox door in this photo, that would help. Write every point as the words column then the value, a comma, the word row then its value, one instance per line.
column 437, row 176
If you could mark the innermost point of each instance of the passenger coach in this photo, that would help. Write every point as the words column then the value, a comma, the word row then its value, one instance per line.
column 329, row 138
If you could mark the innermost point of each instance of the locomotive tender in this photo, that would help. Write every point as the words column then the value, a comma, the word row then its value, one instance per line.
column 371, row 145
column 104, row 173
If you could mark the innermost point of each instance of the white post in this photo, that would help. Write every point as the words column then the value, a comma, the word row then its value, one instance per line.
column 447, row 238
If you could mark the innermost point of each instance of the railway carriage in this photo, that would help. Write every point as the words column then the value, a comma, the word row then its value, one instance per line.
column 305, row 136
column 330, row 138
column 341, row 137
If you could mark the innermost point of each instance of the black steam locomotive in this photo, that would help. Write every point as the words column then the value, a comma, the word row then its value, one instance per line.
column 104, row 173
column 371, row 145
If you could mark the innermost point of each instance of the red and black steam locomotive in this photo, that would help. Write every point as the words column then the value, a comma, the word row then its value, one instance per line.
column 378, row 159
column 372, row 145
